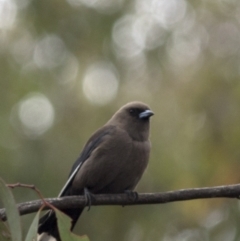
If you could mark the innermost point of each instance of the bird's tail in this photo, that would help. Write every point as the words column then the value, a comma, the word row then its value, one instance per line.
column 45, row 237
column 48, row 230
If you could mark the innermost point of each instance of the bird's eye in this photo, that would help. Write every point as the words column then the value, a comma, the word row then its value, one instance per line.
column 131, row 111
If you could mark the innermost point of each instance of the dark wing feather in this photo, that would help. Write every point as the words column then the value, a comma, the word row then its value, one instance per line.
column 90, row 146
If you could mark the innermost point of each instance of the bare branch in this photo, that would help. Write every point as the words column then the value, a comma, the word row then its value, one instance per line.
column 45, row 204
column 230, row 191
column 18, row 184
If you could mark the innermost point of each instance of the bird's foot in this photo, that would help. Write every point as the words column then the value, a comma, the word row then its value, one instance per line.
column 88, row 197
column 133, row 196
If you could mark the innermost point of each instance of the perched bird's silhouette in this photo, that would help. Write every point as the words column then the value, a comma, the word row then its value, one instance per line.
column 112, row 161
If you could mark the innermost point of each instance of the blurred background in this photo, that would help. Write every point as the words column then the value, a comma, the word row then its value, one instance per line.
column 67, row 66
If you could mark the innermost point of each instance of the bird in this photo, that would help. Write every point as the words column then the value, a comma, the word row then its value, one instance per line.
column 112, row 161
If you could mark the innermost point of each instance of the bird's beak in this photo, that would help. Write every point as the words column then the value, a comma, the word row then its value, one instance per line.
column 145, row 114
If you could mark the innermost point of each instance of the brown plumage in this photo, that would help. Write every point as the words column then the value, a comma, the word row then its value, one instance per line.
column 112, row 161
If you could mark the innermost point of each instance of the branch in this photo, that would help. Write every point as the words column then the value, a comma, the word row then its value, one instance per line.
column 230, row 191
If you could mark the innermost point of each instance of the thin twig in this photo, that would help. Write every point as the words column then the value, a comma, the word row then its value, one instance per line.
column 18, row 184
column 44, row 203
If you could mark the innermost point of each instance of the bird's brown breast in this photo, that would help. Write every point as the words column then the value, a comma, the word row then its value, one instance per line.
column 116, row 165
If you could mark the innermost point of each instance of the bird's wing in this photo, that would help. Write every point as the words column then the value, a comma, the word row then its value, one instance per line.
column 90, row 146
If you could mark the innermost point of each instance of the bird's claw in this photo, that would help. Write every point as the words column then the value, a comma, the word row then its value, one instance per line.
column 88, row 198
column 133, row 196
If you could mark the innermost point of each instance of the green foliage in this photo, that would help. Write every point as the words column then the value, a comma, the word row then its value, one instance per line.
column 11, row 212
column 32, row 232
column 64, row 224
column 14, row 222
column 4, row 232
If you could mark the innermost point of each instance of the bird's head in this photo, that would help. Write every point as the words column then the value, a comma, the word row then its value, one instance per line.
column 134, row 118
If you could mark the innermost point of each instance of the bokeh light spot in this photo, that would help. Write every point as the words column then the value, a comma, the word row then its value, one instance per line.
column 102, row 6
column 100, row 84
column 8, row 13
column 167, row 12
column 36, row 115
column 126, row 42
column 50, row 52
